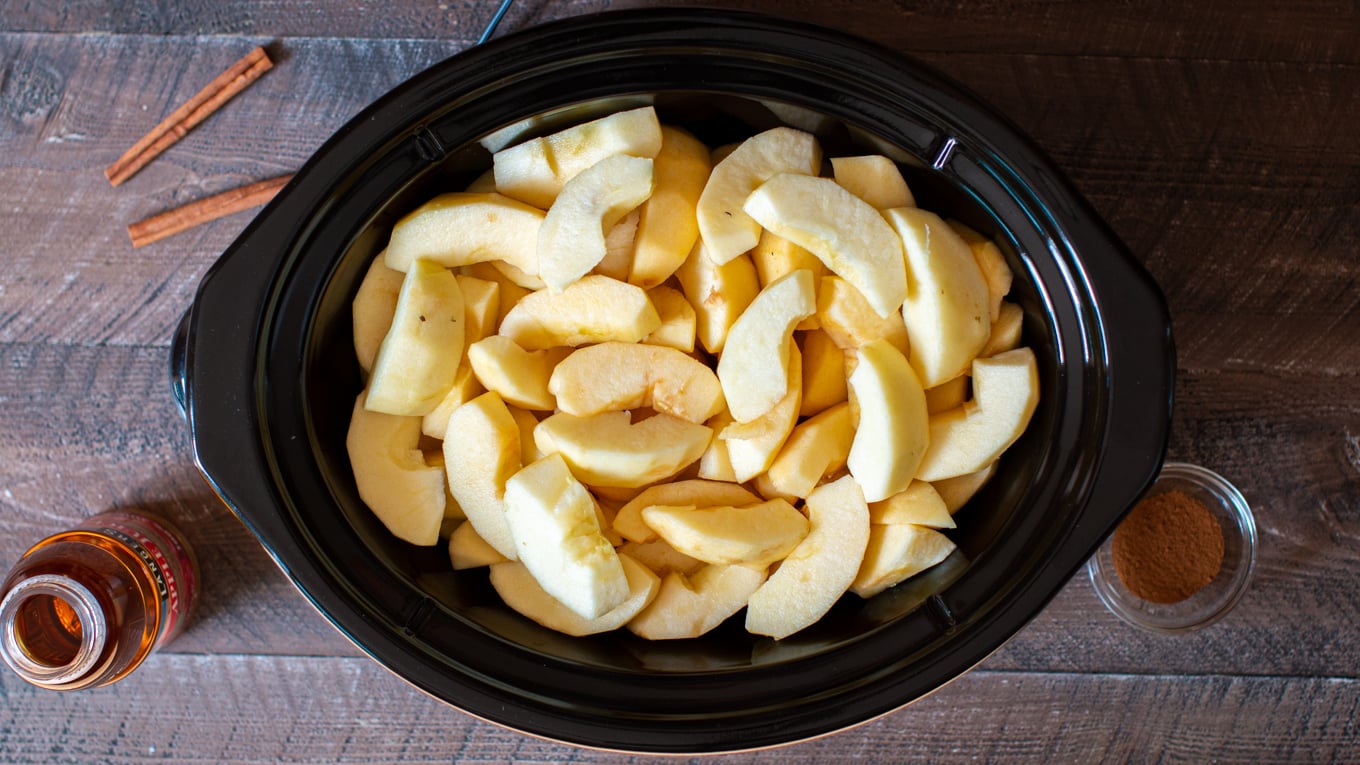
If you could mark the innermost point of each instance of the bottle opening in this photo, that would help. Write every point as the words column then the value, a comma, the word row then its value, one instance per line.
column 53, row 630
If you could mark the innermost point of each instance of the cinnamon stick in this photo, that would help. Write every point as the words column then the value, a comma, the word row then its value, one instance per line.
column 171, row 222
column 185, row 118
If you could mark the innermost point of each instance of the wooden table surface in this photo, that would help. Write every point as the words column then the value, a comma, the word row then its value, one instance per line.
column 1219, row 139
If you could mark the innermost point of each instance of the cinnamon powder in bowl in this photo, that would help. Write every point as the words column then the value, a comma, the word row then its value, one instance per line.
column 1182, row 557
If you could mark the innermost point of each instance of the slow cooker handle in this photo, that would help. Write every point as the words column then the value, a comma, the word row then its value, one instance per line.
column 179, row 365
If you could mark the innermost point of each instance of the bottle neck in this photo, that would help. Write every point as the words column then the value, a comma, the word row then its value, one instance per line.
column 52, row 630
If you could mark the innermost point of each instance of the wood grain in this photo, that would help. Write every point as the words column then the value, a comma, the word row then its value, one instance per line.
column 250, row 709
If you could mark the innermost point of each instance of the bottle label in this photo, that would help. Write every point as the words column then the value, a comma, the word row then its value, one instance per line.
column 166, row 557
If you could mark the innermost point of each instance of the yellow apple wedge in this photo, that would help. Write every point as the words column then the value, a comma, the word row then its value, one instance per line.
column 842, row 230
column 820, row 569
column 948, row 394
column 591, row 310
column 728, row 230
column 891, row 430
column 571, row 240
column 481, row 307
column 481, row 452
column 699, row 492
column 467, row 549
column 660, row 558
column 608, row 449
column 519, row 376
column 536, row 170
column 967, row 439
column 1006, row 331
column 896, row 553
column 751, row 447
column 617, row 376
column 817, row 447
column 718, row 293
column 466, row 387
column 690, row 605
column 751, row 535
column 519, row 589
column 753, row 364
column 667, row 226
column 873, row 178
column 618, row 248
column 995, row 271
column 552, row 519
column 420, row 355
column 845, row 315
column 918, row 504
column 374, row 304
column 946, row 308
column 508, row 293
column 405, row 493
column 958, row 490
column 679, row 322
column 462, row 228
column 824, row 373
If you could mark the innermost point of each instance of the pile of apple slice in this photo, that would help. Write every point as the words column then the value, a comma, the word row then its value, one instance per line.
column 649, row 384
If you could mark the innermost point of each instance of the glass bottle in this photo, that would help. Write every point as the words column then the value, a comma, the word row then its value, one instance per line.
column 84, row 607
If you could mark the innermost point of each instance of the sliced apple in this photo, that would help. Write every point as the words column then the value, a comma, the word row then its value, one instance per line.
column 374, row 304
column 1006, row 331
column 628, row 522
column 463, row 228
column 958, row 490
column 608, row 449
column 481, row 452
column 873, row 178
column 679, row 322
column 618, row 248
column 716, row 463
column 918, row 504
column 519, row 376
column 557, row 536
column 776, row 257
column 842, row 230
column 752, row 368
column 820, row 569
column 536, row 171
column 571, row 240
column 891, row 430
column 946, row 307
column 846, row 316
column 688, row 606
column 618, row 376
column 419, row 357
column 520, row 590
column 591, row 310
column 509, row 293
column 816, row 448
column 751, row 447
column 751, row 535
column 467, row 549
column 726, row 228
column 466, row 387
column 896, row 553
column 481, row 307
column 719, row 293
column 668, row 227
column 995, row 271
column 390, row 472
column 660, row 558
column 824, row 374
column 967, row 439
column 948, row 394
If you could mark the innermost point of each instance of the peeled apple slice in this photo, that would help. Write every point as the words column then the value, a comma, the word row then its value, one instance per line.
column 667, row 226
column 891, row 433
column 535, row 171
column 521, row 591
column 608, row 449
column 689, row 606
column 754, row 361
column 557, row 535
column 846, row 233
column 463, row 228
column 418, row 360
column 594, row 309
column 618, row 376
column 390, row 472
column 752, row 535
column 966, row 439
column 571, row 240
column 726, row 229
column 482, row 451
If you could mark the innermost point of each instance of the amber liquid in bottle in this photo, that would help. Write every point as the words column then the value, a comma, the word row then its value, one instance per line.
column 85, row 607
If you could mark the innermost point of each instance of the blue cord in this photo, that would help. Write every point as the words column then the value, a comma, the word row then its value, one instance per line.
column 495, row 21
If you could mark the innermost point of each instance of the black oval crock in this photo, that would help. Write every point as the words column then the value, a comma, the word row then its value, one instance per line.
column 265, row 369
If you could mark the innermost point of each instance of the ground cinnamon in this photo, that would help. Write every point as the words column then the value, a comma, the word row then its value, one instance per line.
column 1169, row 548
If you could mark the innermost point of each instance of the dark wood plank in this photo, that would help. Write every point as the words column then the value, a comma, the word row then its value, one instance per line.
column 94, row 429
column 234, row 709
column 1308, row 30
column 1246, row 223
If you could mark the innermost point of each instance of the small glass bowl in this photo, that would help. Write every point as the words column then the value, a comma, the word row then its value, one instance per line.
column 1215, row 599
